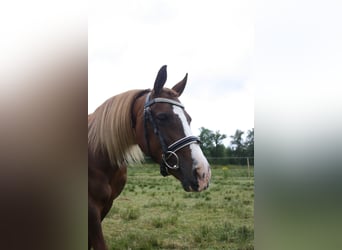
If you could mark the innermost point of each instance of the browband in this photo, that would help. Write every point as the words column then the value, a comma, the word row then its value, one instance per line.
column 161, row 100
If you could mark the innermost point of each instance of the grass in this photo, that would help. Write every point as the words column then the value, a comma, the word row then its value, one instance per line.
column 155, row 213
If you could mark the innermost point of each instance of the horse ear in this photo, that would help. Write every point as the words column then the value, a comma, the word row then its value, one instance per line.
column 179, row 87
column 160, row 80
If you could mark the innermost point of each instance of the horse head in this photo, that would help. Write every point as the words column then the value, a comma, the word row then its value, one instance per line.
column 163, row 133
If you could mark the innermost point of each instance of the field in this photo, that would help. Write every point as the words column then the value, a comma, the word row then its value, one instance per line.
column 154, row 212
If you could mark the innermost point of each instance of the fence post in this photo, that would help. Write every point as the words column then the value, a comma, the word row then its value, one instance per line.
column 248, row 167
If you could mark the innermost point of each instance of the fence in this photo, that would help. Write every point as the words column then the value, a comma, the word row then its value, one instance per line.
column 242, row 161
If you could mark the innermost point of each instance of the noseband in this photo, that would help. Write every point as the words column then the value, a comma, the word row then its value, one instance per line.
column 168, row 151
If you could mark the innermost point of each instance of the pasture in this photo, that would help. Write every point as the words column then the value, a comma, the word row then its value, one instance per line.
column 154, row 212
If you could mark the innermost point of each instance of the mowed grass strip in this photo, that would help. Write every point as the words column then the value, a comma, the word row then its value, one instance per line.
column 155, row 213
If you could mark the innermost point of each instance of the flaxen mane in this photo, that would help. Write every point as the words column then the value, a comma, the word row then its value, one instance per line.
column 110, row 130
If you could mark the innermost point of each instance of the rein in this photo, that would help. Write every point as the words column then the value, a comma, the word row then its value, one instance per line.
column 168, row 151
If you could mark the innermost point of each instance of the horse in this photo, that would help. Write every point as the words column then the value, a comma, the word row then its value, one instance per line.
column 130, row 125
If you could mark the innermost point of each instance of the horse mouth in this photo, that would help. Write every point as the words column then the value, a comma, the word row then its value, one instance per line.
column 194, row 187
column 196, row 182
column 189, row 189
column 200, row 182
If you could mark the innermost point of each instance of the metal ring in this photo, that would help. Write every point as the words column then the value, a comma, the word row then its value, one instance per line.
column 169, row 153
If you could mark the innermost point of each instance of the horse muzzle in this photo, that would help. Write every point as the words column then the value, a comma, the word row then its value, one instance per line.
column 200, row 180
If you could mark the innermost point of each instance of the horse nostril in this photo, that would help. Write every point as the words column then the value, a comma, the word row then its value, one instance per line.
column 199, row 174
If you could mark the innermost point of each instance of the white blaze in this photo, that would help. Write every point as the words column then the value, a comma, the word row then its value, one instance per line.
column 202, row 165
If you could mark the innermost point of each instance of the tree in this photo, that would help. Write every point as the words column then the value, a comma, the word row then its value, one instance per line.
column 237, row 143
column 218, row 150
column 206, row 136
column 249, row 145
column 212, row 145
column 242, row 148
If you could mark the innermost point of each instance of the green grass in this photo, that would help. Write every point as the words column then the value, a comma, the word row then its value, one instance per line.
column 155, row 213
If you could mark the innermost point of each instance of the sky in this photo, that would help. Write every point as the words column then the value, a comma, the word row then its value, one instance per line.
column 212, row 41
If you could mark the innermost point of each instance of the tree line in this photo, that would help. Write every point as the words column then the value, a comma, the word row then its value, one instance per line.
column 235, row 153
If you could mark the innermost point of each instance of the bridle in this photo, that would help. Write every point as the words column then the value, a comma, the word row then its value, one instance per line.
column 168, row 151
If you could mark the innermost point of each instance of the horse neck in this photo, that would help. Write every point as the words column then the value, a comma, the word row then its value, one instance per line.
column 101, row 162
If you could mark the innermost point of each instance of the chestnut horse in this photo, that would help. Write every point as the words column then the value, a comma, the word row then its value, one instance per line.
column 129, row 125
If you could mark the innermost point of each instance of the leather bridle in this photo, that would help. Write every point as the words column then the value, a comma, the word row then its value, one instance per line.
column 168, row 151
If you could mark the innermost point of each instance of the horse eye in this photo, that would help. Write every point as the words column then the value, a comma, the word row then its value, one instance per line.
column 162, row 117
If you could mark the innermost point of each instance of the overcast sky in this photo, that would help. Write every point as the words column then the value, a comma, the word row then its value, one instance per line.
column 212, row 41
